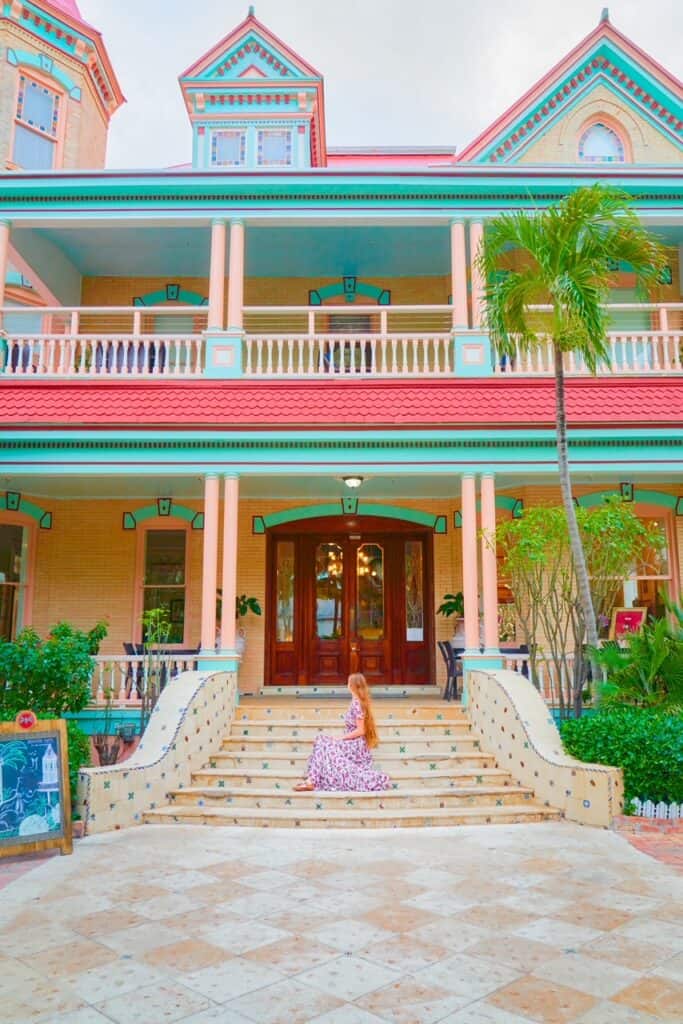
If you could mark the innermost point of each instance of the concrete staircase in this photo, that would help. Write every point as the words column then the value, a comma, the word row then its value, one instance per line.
column 440, row 776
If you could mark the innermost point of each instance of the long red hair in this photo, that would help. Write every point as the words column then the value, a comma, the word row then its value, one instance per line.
column 359, row 688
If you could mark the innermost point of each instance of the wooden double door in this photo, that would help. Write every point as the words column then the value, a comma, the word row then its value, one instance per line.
column 349, row 597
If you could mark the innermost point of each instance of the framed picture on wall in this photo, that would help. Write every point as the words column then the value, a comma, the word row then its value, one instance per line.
column 626, row 620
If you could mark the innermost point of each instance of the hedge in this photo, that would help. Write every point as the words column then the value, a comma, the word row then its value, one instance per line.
column 647, row 745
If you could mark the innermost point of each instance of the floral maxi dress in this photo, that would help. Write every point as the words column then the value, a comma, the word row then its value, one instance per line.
column 345, row 764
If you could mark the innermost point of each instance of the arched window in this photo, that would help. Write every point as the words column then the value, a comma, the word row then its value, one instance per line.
column 601, row 145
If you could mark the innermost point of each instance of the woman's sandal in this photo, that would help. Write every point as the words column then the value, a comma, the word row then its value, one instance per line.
column 304, row 787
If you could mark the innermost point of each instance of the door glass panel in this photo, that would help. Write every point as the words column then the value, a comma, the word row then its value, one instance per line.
column 329, row 590
column 11, row 542
column 370, row 574
column 284, row 628
column 414, row 576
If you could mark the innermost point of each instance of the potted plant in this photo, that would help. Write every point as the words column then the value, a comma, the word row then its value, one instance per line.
column 454, row 604
column 244, row 605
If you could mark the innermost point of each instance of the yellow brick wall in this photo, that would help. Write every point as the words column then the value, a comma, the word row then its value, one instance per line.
column 85, row 136
column 263, row 291
column 560, row 142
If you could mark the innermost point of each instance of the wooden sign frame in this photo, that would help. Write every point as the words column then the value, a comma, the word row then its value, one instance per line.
column 61, row 838
column 630, row 613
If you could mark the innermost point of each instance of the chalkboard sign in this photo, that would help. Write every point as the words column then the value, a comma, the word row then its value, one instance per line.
column 35, row 801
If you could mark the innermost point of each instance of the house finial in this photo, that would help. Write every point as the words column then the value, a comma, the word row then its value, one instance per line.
column 605, row 14
column 252, row 11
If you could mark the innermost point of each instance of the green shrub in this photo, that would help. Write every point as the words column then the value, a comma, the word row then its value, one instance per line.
column 647, row 745
column 79, row 757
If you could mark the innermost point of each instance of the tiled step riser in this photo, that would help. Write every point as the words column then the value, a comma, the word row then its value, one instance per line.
column 279, row 780
column 373, row 820
column 267, row 760
column 390, row 747
column 330, row 716
column 389, row 801
column 309, row 730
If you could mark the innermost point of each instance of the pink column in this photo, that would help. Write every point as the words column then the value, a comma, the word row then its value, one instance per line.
column 459, row 274
column 469, row 563
column 4, row 258
column 236, row 276
column 476, row 235
column 209, row 563
column 489, row 566
column 217, row 275
column 229, row 580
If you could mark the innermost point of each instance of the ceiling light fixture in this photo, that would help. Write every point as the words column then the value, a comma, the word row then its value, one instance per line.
column 353, row 481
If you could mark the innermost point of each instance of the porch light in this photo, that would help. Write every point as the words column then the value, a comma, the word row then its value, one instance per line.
column 353, row 481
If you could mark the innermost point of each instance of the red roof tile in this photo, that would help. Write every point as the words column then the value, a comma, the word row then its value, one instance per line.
column 348, row 404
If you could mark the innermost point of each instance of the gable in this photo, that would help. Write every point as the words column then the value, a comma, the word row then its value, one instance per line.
column 604, row 70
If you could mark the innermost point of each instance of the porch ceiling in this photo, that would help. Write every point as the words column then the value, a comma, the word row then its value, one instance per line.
column 271, row 250
column 297, row 488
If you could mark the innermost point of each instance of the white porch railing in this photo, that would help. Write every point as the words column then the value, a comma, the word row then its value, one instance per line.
column 125, row 679
column 121, row 341
column 348, row 341
column 635, row 351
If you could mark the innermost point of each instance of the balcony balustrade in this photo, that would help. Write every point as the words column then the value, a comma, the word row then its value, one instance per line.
column 324, row 342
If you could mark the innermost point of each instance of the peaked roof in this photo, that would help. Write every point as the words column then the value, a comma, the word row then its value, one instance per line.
column 232, row 40
column 69, row 7
column 661, row 99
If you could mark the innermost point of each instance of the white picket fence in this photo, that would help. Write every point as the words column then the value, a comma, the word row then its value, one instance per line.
column 661, row 811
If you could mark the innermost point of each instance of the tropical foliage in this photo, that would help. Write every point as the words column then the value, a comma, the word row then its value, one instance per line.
column 560, row 258
column 647, row 745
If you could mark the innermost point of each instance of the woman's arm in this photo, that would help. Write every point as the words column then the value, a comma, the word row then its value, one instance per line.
column 358, row 731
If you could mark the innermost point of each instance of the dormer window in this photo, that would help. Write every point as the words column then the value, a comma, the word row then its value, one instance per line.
column 274, row 147
column 36, row 127
column 601, row 145
column 228, row 148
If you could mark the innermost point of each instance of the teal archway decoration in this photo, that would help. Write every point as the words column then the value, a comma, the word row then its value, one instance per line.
column 513, row 505
column 638, row 495
column 41, row 62
column 350, row 506
column 171, row 293
column 348, row 288
column 12, row 501
column 163, row 508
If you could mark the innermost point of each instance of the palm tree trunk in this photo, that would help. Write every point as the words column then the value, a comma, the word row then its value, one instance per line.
column 585, row 598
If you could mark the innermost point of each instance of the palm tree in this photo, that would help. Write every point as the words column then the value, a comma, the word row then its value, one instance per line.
column 561, row 257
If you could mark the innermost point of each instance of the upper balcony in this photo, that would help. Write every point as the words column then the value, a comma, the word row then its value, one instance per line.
column 223, row 299
column 330, row 342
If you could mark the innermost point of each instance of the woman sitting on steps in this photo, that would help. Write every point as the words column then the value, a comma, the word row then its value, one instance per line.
column 345, row 762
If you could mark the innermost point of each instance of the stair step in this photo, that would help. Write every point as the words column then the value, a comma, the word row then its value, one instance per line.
column 411, row 744
column 310, row 729
column 333, row 712
column 425, row 799
column 275, row 760
column 352, row 818
column 394, row 692
column 401, row 777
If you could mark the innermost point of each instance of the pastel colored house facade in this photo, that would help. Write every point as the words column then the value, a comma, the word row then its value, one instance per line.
column 267, row 372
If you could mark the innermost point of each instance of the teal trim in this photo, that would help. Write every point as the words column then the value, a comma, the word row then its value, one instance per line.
column 258, row 527
column 223, row 354
column 41, row 62
column 348, row 288
column 303, row 512
column 472, row 355
column 660, row 498
column 171, row 293
column 131, row 520
column 514, row 505
column 13, row 502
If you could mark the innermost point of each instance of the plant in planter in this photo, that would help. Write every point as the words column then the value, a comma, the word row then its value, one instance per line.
column 107, row 744
column 244, row 605
column 454, row 604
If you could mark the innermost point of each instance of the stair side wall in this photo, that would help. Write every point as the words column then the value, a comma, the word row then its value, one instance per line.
column 186, row 727
column 514, row 724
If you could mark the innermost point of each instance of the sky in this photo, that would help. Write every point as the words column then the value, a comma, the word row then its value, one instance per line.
column 397, row 72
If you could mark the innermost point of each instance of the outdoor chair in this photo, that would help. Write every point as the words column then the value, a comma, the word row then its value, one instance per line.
column 451, row 657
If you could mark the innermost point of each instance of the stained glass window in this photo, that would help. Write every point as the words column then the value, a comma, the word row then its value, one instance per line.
column 228, row 148
column 370, row 573
column 329, row 591
column 285, row 591
column 37, row 125
column 274, row 147
column 414, row 576
column 601, row 145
